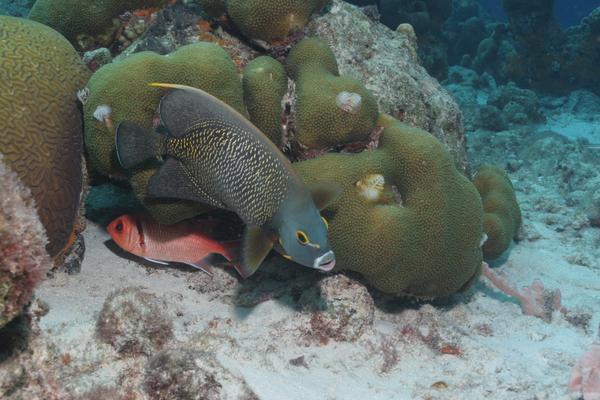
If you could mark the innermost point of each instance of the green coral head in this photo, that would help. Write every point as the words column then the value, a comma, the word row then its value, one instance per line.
column 311, row 53
column 502, row 218
column 265, row 19
column 85, row 21
column 265, row 83
column 330, row 109
column 407, row 220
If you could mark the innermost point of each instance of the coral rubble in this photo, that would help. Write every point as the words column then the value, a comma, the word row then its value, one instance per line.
column 23, row 257
column 133, row 322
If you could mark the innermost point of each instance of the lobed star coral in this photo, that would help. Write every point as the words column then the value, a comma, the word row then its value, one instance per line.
column 330, row 109
column 88, row 21
column 422, row 237
column 265, row 83
column 265, row 19
column 502, row 215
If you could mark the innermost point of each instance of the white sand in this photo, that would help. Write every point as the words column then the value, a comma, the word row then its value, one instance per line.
column 523, row 356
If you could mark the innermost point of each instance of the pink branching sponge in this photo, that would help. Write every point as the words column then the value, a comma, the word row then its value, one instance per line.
column 585, row 377
column 23, row 257
column 535, row 299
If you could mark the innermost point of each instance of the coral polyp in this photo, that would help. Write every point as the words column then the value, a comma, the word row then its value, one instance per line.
column 371, row 186
column 349, row 102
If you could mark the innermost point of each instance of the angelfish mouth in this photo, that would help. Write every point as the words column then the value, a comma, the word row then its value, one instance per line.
column 326, row 262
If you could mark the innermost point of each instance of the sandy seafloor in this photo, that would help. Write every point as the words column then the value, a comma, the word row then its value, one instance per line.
column 503, row 354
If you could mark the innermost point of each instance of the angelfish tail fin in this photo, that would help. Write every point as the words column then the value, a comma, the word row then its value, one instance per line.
column 135, row 144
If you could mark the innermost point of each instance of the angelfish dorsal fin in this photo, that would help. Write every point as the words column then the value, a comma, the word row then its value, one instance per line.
column 256, row 245
column 324, row 193
column 184, row 106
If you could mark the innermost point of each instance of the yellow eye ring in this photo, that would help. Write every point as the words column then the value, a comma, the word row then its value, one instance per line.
column 325, row 222
column 302, row 238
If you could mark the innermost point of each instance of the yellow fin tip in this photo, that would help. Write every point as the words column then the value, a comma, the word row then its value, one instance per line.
column 165, row 85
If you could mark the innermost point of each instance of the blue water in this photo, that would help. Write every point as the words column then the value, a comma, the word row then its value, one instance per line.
column 567, row 12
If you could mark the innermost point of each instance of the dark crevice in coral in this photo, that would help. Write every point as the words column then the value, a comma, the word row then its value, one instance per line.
column 14, row 337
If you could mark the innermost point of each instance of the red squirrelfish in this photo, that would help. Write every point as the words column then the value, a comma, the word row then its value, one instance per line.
column 187, row 242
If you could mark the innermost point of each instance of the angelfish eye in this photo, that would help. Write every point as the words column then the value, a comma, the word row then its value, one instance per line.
column 302, row 238
column 325, row 222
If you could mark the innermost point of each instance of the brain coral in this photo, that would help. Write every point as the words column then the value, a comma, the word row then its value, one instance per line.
column 23, row 258
column 123, row 86
column 265, row 83
column 40, row 123
column 82, row 20
column 502, row 217
column 321, row 121
column 422, row 235
column 265, row 19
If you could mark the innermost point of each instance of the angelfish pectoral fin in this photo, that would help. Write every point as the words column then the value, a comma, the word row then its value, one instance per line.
column 135, row 144
column 257, row 244
column 324, row 193
column 172, row 181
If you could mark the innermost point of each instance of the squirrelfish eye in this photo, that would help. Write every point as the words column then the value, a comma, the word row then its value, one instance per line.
column 119, row 226
column 302, row 238
column 325, row 222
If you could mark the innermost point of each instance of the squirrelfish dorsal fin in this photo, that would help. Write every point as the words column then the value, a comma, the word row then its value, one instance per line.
column 324, row 193
column 256, row 245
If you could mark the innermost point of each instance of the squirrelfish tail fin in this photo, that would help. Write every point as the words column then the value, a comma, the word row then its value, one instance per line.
column 135, row 144
column 231, row 250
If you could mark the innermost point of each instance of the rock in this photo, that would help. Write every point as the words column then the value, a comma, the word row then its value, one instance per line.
column 513, row 101
column 427, row 18
column 23, row 257
column 134, row 322
column 183, row 373
column 491, row 118
column 341, row 309
column 592, row 207
column 96, row 58
column 462, row 10
column 472, row 32
column 388, row 65
column 16, row 8
column 550, row 59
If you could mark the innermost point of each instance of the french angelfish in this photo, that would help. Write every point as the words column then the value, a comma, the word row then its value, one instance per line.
column 187, row 242
column 214, row 155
